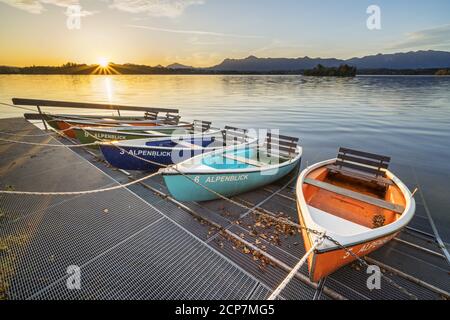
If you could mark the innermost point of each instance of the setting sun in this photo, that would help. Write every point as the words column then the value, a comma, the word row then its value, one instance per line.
column 103, row 62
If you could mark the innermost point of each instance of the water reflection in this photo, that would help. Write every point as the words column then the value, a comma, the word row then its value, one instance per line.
column 109, row 89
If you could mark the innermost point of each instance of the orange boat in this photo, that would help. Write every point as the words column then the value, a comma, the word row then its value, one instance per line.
column 355, row 200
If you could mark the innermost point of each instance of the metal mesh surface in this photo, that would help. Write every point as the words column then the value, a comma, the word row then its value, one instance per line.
column 133, row 244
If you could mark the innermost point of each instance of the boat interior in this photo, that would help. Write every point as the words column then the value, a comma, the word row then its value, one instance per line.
column 353, row 195
column 183, row 142
column 276, row 150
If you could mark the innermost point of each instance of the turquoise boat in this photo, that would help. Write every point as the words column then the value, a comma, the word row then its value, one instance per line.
column 233, row 170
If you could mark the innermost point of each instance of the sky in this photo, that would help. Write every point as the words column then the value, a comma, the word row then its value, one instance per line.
column 204, row 32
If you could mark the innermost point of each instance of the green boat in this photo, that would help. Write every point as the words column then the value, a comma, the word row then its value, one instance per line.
column 88, row 135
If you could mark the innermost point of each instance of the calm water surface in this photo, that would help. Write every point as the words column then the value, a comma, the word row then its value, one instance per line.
column 407, row 118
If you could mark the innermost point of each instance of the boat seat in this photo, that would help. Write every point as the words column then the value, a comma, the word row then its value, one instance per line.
column 244, row 160
column 362, row 165
column 355, row 195
column 361, row 176
column 203, row 167
column 336, row 224
column 189, row 145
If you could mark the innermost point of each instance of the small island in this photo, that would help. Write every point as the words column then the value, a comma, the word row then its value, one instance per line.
column 321, row 71
column 443, row 72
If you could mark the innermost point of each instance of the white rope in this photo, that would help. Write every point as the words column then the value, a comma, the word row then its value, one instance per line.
column 33, row 193
column 14, row 106
column 50, row 145
column 294, row 271
column 33, row 135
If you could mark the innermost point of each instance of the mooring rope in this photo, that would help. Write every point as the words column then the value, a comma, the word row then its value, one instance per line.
column 14, row 106
column 294, row 270
column 50, row 145
column 120, row 186
column 439, row 241
column 33, row 135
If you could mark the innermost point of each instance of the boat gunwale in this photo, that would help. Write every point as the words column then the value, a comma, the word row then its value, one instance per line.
column 121, row 124
column 202, row 171
column 123, row 144
column 113, row 130
column 94, row 117
column 359, row 238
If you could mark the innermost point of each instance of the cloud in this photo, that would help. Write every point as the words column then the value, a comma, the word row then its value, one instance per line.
column 433, row 37
column 159, row 8
column 195, row 32
column 38, row 6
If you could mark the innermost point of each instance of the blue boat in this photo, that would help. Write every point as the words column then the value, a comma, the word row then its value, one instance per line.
column 232, row 170
column 152, row 154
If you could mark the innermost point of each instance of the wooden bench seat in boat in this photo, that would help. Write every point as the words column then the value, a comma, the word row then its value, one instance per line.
column 279, row 145
column 355, row 195
column 200, row 125
column 362, row 165
column 358, row 175
column 244, row 160
column 336, row 224
column 234, row 136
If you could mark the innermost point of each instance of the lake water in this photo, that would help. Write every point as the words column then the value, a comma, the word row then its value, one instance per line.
column 407, row 118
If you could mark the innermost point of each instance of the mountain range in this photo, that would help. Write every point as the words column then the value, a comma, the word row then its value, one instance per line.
column 409, row 60
column 179, row 66
column 409, row 63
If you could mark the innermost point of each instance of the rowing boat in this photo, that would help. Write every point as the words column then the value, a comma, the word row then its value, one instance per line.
column 232, row 170
column 67, row 125
column 88, row 135
column 355, row 200
column 52, row 119
column 152, row 154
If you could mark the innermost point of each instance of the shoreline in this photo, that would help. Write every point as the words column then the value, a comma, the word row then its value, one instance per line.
column 226, row 74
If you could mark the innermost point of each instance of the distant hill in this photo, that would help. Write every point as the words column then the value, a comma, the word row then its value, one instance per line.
column 409, row 63
column 253, row 63
column 410, row 60
column 178, row 66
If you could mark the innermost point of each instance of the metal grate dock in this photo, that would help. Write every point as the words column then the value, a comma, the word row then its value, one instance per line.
column 136, row 243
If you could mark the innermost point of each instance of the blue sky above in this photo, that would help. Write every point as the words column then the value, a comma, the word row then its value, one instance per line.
column 204, row 32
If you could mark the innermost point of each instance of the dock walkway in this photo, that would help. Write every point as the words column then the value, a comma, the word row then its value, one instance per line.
column 138, row 243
